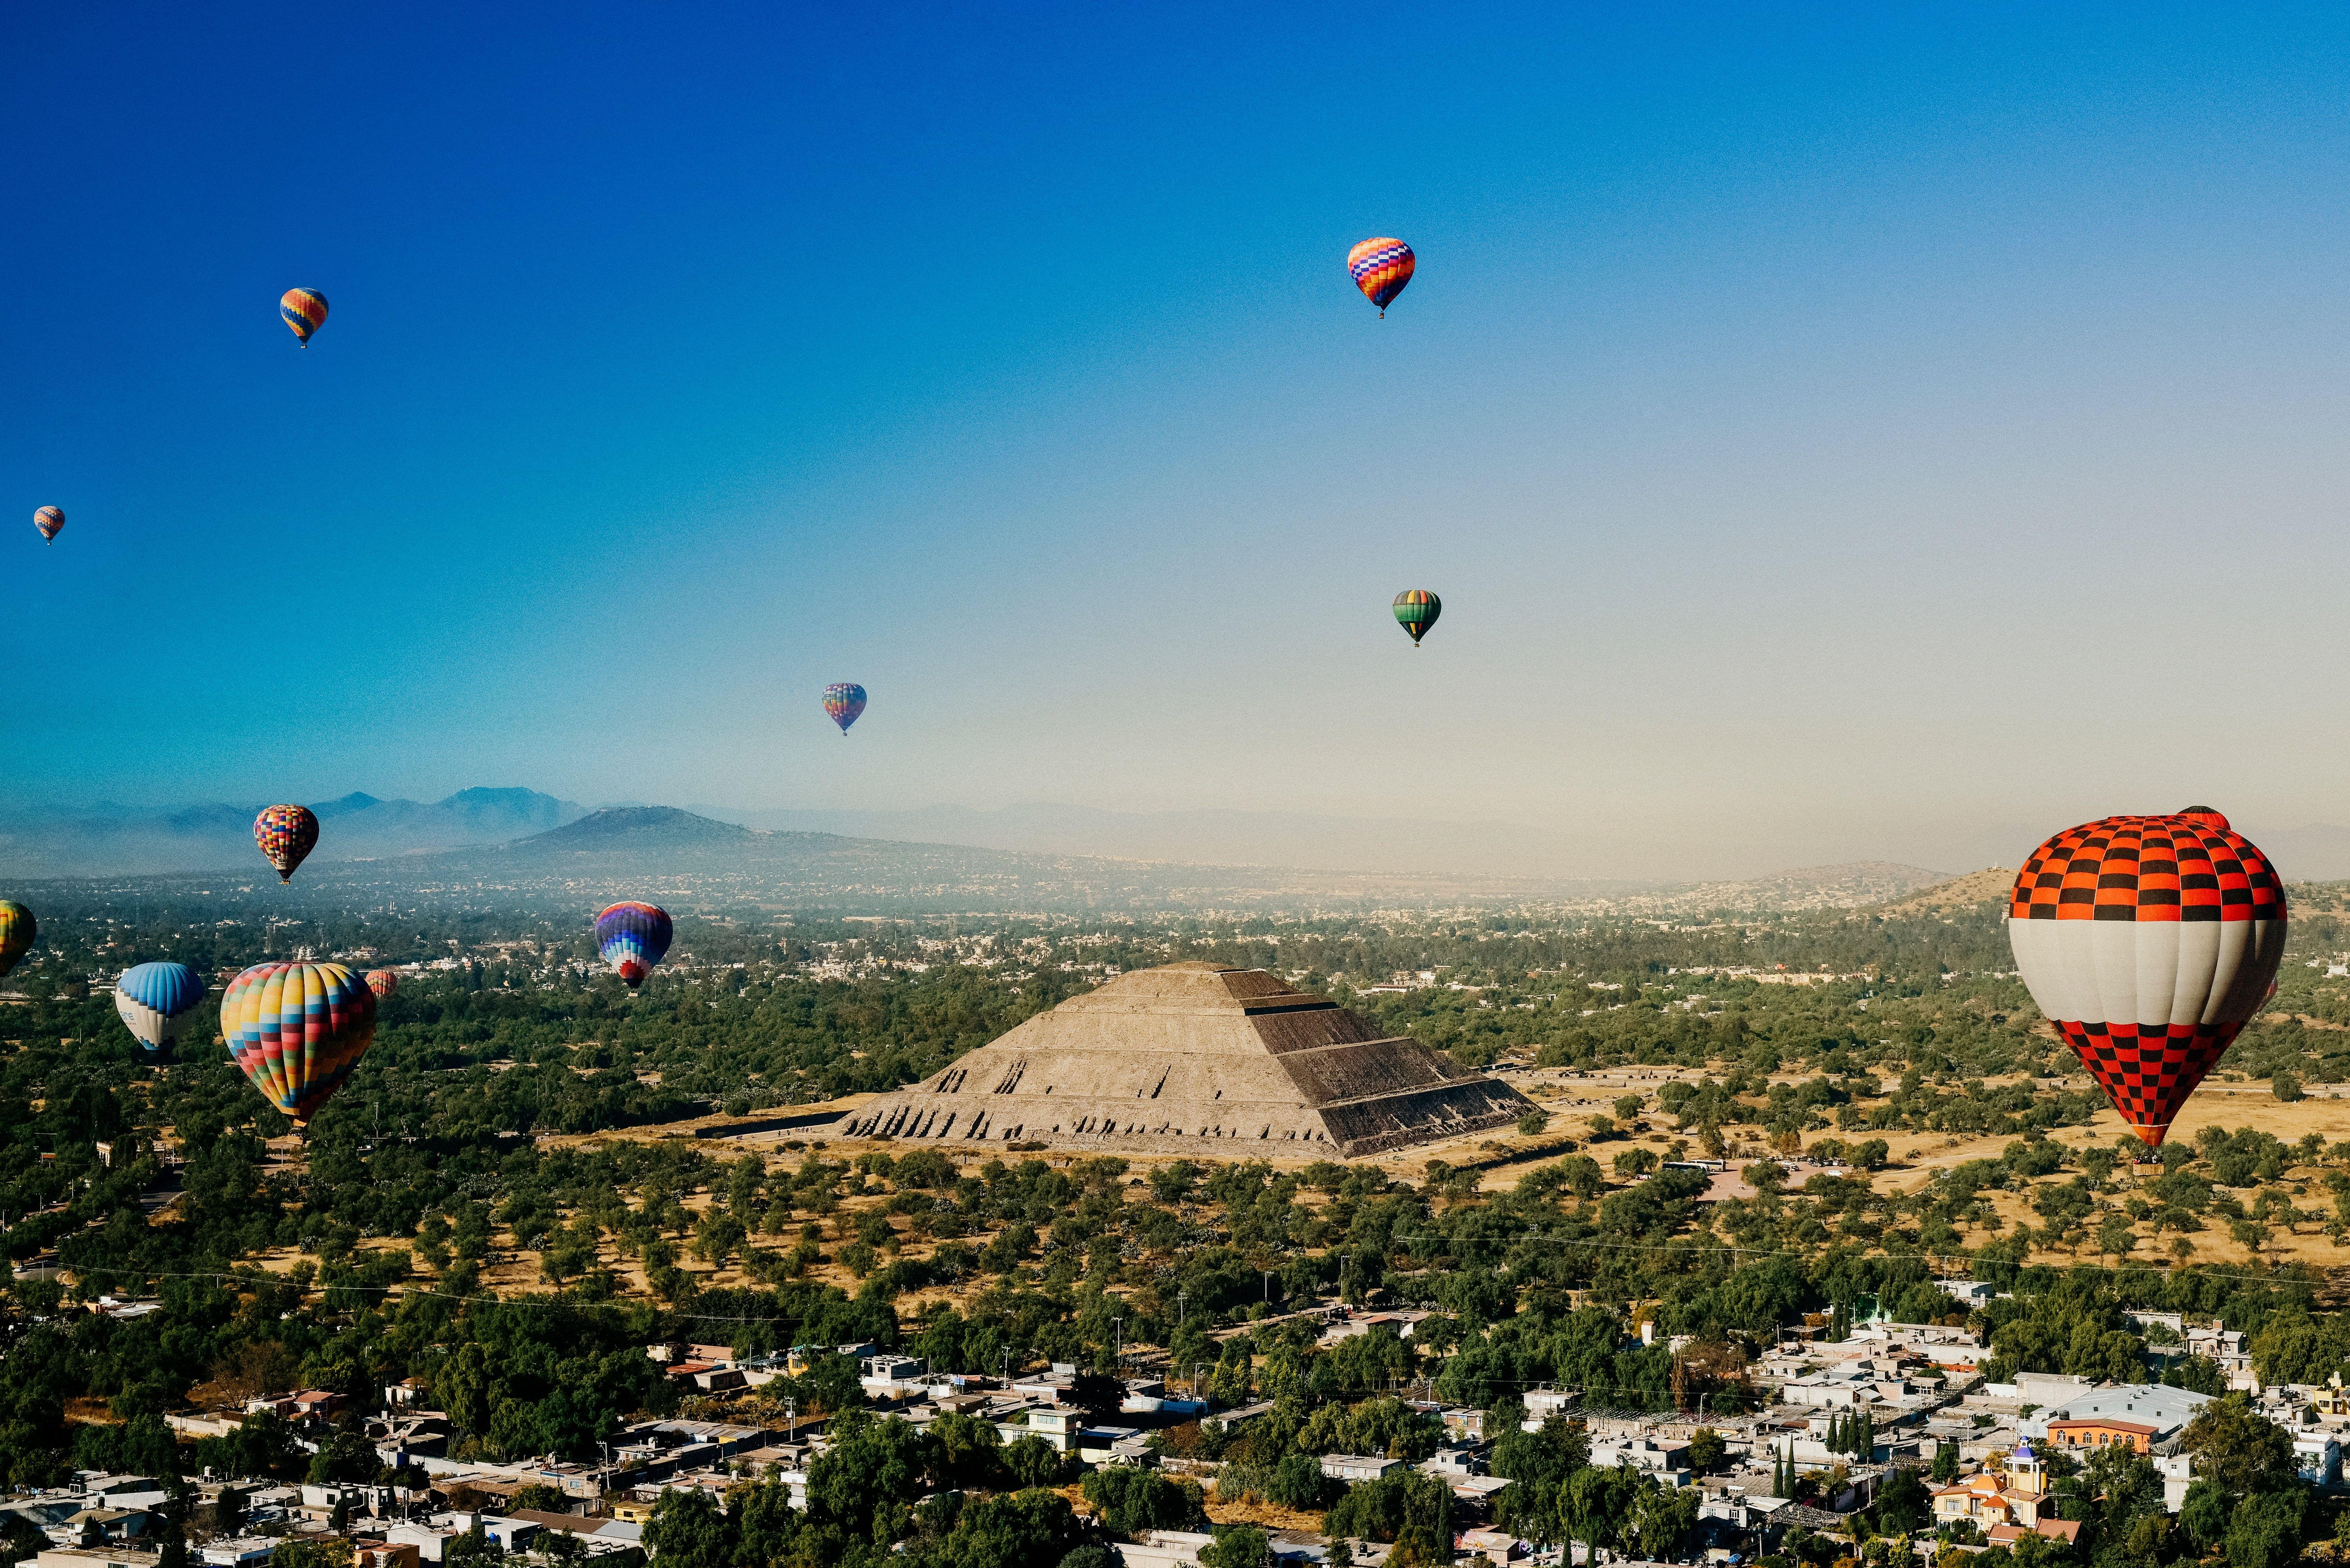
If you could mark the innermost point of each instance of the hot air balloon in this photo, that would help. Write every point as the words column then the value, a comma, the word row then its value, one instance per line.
column 383, row 983
column 1416, row 610
column 153, row 997
column 843, row 701
column 49, row 520
column 632, row 938
column 1380, row 268
column 2148, row 942
column 286, row 834
column 297, row 1031
column 305, row 310
column 18, row 930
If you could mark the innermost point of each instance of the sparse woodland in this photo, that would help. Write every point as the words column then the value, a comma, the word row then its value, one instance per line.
column 455, row 1221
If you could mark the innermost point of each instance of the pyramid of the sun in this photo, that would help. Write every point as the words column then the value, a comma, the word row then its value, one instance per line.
column 1195, row 1059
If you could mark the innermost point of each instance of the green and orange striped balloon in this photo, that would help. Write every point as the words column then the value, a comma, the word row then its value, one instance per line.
column 1416, row 610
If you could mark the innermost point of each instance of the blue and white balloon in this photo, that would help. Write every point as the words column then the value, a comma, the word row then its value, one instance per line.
column 153, row 997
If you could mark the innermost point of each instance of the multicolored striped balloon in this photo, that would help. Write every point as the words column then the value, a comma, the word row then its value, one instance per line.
column 1416, row 610
column 633, row 937
column 18, row 930
column 286, row 834
column 305, row 310
column 383, row 983
column 297, row 1031
column 1380, row 268
column 153, row 997
column 49, row 520
column 843, row 701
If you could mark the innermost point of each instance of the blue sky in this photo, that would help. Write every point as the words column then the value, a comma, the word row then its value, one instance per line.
column 1833, row 433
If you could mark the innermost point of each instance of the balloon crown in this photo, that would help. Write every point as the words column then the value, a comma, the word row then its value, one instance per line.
column 2206, row 815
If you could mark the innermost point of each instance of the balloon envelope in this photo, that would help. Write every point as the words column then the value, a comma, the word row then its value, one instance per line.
column 843, row 701
column 153, row 997
column 305, row 310
column 382, row 981
column 2148, row 942
column 286, row 834
column 297, row 1031
column 18, row 930
column 49, row 520
column 633, row 937
column 1380, row 268
column 1416, row 610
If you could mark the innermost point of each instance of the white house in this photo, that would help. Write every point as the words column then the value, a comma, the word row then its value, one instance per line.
column 1353, row 1467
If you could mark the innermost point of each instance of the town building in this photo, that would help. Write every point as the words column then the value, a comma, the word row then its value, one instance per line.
column 2148, row 1417
column 1990, row 1497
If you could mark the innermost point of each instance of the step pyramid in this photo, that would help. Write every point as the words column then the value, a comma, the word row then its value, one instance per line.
column 1193, row 1058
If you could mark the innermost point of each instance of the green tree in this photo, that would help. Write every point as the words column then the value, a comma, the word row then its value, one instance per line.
column 2265, row 1531
column 2203, row 1513
column 1012, row 1531
column 1033, row 1462
column 1132, row 1500
column 2237, row 1446
column 1237, row 1546
column 687, row 1531
column 346, row 1457
column 1902, row 1504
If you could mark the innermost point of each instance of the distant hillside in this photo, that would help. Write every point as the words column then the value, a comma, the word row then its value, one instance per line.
column 1992, row 883
column 1845, row 886
column 624, row 827
column 114, row 841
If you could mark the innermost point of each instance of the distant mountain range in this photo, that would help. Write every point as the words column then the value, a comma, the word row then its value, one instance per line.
column 1040, row 857
column 112, row 842
column 1379, row 845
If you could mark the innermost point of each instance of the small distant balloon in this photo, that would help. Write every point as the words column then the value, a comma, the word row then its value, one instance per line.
column 305, row 310
column 843, row 701
column 632, row 938
column 1416, row 610
column 18, row 930
column 286, row 834
column 1380, row 268
column 49, row 520
column 383, row 983
column 153, row 997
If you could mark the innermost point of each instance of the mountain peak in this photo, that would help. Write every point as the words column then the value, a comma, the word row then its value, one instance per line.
column 357, row 800
column 639, row 824
column 508, row 796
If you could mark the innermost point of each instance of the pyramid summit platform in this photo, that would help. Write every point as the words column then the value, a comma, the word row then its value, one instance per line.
column 1193, row 1058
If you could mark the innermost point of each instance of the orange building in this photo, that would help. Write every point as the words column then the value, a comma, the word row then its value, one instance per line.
column 2097, row 1431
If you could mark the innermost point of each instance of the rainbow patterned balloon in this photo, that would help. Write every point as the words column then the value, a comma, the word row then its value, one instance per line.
column 297, row 1031
column 1416, row 610
column 49, row 520
column 633, row 937
column 843, row 701
column 1380, row 268
column 286, row 834
column 18, row 930
column 305, row 310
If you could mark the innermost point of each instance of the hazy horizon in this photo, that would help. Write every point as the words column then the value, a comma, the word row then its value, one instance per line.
column 1304, row 841
column 1834, row 437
